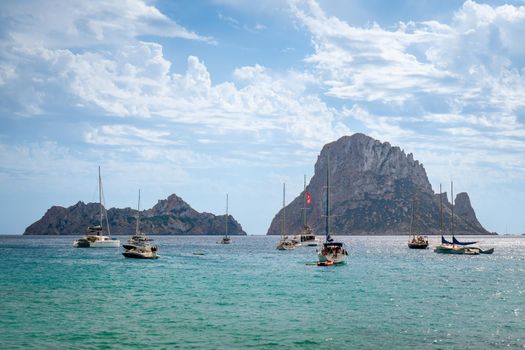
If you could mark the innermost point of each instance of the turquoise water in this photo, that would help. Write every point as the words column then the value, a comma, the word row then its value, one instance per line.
column 248, row 295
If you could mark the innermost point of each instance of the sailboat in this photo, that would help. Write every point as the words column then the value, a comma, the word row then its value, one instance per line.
column 139, row 246
column 306, row 237
column 94, row 237
column 332, row 252
column 456, row 247
column 284, row 243
column 226, row 239
column 416, row 241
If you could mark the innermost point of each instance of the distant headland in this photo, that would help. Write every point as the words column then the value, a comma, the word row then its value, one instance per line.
column 171, row 216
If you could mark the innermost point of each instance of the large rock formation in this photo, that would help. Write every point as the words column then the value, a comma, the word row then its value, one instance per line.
column 372, row 187
column 171, row 216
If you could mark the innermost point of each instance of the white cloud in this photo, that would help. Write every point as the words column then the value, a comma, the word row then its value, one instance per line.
column 127, row 135
column 134, row 78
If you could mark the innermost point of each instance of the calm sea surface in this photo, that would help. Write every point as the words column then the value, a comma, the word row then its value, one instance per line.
column 248, row 295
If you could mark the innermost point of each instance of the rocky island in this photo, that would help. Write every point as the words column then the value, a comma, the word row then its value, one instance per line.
column 171, row 216
column 371, row 192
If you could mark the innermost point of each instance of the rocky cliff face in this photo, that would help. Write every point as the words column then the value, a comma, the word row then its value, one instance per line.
column 171, row 216
column 372, row 187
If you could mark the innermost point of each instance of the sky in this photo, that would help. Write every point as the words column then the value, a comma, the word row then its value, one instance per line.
column 204, row 98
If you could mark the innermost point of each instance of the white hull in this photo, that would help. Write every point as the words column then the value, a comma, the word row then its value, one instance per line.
column 111, row 243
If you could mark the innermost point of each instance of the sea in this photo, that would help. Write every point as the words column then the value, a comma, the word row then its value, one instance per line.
column 247, row 295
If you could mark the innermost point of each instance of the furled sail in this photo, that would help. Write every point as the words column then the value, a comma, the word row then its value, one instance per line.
column 455, row 241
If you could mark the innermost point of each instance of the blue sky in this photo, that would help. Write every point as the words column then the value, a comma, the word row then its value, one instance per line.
column 204, row 98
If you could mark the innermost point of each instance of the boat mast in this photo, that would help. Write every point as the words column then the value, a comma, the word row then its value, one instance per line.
column 283, row 216
column 327, row 212
column 440, row 210
column 304, row 202
column 138, row 216
column 226, row 215
column 412, row 218
column 100, row 195
column 452, row 201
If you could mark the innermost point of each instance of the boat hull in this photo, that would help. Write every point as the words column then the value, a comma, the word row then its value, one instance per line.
column 81, row 244
column 418, row 245
column 138, row 255
column 113, row 243
column 459, row 250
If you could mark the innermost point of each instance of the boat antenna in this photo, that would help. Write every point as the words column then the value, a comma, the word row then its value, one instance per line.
column 138, row 215
column 226, row 215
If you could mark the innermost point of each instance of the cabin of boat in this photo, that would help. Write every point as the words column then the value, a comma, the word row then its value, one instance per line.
column 306, row 237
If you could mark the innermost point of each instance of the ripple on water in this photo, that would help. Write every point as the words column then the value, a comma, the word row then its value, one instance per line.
column 248, row 295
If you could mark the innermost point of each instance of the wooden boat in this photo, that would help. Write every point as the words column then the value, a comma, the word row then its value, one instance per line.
column 416, row 241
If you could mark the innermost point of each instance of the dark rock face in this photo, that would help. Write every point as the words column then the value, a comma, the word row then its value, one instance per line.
column 372, row 186
column 171, row 216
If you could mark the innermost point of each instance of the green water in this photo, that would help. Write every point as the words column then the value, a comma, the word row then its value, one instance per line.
column 248, row 295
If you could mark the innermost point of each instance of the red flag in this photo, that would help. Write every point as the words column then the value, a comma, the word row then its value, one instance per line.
column 308, row 197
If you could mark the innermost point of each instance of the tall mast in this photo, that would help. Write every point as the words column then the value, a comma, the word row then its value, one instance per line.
column 327, row 212
column 138, row 216
column 440, row 210
column 412, row 218
column 452, row 200
column 226, row 214
column 304, row 202
column 283, row 216
column 100, row 195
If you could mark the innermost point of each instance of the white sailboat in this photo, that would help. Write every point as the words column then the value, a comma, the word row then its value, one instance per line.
column 284, row 242
column 94, row 237
column 226, row 239
column 306, row 236
column 332, row 252
column 139, row 246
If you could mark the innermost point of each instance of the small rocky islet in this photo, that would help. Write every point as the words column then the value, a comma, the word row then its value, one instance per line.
column 373, row 185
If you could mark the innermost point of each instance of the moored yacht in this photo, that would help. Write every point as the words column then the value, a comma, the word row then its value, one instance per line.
column 332, row 253
column 139, row 246
column 306, row 236
column 457, row 247
column 226, row 239
column 284, row 242
column 416, row 240
column 94, row 237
